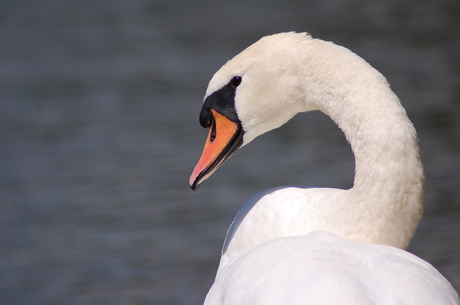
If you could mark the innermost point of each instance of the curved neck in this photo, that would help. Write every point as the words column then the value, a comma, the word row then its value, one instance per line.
column 389, row 176
column 389, row 179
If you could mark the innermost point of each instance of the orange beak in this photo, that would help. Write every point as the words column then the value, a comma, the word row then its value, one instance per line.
column 224, row 138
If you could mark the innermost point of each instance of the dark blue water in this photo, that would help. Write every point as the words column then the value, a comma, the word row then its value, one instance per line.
column 99, row 133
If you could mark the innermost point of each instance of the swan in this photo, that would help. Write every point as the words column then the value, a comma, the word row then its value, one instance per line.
column 292, row 245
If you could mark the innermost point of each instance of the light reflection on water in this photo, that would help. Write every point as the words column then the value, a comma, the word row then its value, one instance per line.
column 99, row 133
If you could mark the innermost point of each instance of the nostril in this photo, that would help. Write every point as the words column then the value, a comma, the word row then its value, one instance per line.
column 212, row 137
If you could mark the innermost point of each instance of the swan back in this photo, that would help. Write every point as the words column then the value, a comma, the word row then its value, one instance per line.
column 320, row 268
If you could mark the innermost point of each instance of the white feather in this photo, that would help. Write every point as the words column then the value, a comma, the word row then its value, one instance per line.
column 321, row 268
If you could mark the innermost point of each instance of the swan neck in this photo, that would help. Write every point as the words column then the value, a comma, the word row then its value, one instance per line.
column 389, row 178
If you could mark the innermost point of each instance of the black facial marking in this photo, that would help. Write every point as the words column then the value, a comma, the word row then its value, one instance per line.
column 222, row 101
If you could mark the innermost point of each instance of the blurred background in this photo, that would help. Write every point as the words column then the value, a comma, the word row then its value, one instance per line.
column 99, row 133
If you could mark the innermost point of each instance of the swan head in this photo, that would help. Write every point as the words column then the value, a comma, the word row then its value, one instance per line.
column 258, row 90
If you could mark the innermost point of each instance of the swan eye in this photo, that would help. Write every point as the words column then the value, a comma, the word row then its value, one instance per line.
column 236, row 81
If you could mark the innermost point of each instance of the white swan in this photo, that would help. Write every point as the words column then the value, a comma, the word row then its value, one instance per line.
column 319, row 245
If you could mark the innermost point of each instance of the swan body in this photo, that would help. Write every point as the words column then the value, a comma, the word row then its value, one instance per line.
column 321, row 268
column 331, row 240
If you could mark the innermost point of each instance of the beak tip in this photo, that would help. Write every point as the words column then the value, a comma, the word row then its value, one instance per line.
column 194, row 185
column 195, row 188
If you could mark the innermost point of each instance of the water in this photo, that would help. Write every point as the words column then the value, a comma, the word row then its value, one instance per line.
column 99, row 133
